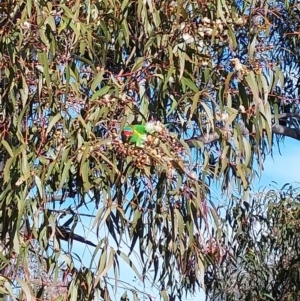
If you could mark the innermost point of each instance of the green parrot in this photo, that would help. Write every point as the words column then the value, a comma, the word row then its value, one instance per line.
column 135, row 134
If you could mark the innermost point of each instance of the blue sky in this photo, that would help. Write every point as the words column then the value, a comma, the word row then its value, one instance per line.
column 285, row 168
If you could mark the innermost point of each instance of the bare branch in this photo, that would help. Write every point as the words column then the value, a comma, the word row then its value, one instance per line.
column 206, row 139
column 276, row 129
column 287, row 115
column 286, row 131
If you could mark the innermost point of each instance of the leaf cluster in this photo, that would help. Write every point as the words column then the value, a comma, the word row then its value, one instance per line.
column 262, row 261
column 75, row 73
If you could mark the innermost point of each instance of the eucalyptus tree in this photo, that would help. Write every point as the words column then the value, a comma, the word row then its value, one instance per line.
column 263, row 247
column 214, row 82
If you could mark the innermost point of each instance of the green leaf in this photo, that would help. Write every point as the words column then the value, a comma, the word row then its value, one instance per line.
column 38, row 183
column 130, row 263
column 247, row 149
column 180, row 222
column 138, row 64
column 25, row 288
column 45, row 63
column 103, row 259
column 53, row 121
column 181, row 54
column 242, row 174
column 190, row 84
column 65, row 173
column 210, row 117
column 103, row 91
column 97, row 80
column 7, row 147
column 201, row 270
column 250, row 79
column 126, row 32
column 164, row 295
column 268, row 116
column 25, row 164
column 252, row 46
column 233, row 113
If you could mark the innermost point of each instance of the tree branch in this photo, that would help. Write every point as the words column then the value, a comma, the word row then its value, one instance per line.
column 206, row 139
column 286, row 131
column 287, row 115
column 276, row 129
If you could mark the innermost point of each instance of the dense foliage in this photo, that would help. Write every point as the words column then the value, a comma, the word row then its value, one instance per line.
column 214, row 80
column 263, row 249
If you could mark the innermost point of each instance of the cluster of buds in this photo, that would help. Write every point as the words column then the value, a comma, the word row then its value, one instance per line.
column 110, row 100
column 239, row 67
column 222, row 116
column 207, row 27
column 243, row 69
column 139, row 158
column 158, row 150
column 155, row 127
column 107, row 99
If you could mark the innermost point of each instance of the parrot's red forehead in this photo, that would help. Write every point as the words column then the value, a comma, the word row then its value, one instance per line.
column 127, row 133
